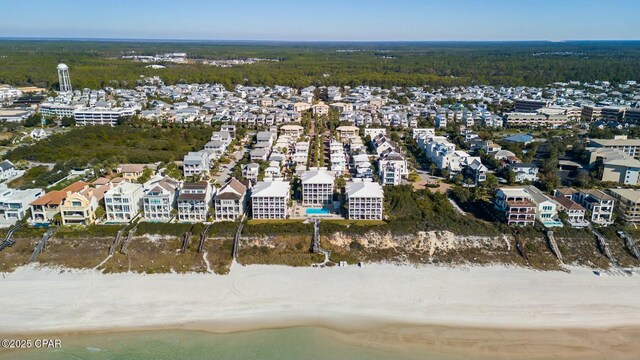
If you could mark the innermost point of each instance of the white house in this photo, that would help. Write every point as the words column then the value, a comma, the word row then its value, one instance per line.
column 364, row 200
column 195, row 163
column 229, row 201
column 317, row 188
column 159, row 200
column 14, row 203
column 270, row 200
column 122, row 202
column 194, row 201
column 547, row 207
column 524, row 171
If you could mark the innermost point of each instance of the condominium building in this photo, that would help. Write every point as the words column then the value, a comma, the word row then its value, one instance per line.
column 159, row 201
column 317, row 188
column 590, row 113
column 630, row 147
column 49, row 110
column 627, row 204
column 613, row 113
column 364, row 200
column 515, row 206
column 530, row 106
column 230, row 201
column 194, row 201
column 122, row 202
column 270, row 200
column 101, row 116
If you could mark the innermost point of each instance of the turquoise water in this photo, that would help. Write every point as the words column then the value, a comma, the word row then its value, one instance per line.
column 290, row 343
column 317, row 212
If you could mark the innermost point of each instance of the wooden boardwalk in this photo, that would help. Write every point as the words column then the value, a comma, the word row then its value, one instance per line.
column 8, row 239
column 43, row 242
column 203, row 237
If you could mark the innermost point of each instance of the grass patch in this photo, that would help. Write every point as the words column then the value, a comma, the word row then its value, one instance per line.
column 276, row 228
column 75, row 252
column 88, row 232
column 173, row 229
column 281, row 250
column 17, row 255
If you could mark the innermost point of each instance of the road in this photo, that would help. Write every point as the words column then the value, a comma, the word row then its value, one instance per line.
column 225, row 172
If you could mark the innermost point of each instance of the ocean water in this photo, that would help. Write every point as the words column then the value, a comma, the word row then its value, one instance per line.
column 285, row 344
column 314, row 343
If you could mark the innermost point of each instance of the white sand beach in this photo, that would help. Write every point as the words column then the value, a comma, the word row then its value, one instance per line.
column 351, row 298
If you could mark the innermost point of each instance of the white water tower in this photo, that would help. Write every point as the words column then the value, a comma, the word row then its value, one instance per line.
column 63, row 78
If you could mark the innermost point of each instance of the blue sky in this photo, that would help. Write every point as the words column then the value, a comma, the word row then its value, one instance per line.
column 324, row 19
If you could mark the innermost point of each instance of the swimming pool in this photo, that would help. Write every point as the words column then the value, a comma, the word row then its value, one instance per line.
column 317, row 212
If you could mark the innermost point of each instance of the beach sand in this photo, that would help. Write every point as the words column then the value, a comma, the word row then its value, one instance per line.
column 499, row 311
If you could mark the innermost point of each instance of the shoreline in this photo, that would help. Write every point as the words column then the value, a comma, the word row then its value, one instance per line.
column 47, row 300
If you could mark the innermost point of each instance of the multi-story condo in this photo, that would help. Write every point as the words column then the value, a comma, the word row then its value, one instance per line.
column 230, row 201
column 122, row 202
column 270, row 200
column 79, row 208
column 195, row 163
column 590, row 113
column 49, row 110
column 317, row 188
column 630, row 147
column 158, row 202
column 632, row 116
column 598, row 204
column 194, row 201
column 364, row 200
column 627, row 204
column 101, row 116
column 14, row 203
column 515, row 206
column 46, row 207
column 613, row 113
column 530, row 106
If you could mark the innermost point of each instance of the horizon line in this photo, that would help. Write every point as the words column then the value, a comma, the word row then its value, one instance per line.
column 106, row 39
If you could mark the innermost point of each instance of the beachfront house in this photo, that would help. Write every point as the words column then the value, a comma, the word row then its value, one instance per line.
column 230, row 201
column 364, row 200
column 598, row 204
column 317, row 188
column 159, row 200
column 194, row 201
column 122, row 202
column 14, row 203
column 515, row 206
column 79, row 208
column 45, row 208
column 270, row 200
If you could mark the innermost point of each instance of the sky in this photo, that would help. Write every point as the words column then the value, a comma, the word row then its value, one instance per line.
column 324, row 20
